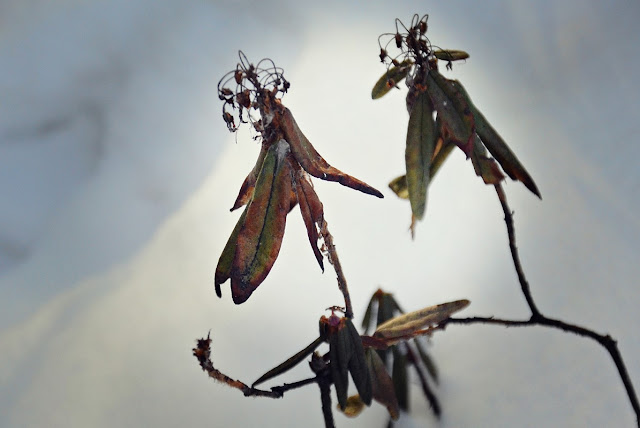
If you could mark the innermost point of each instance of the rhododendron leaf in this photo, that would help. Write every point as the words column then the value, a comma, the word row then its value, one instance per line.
column 312, row 162
column 406, row 324
column 223, row 269
column 400, row 378
column 427, row 360
column 260, row 237
column 358, row 365
column 450, row 55
column 390, row 79
column 311, row 210
column 485, row 167
column 399, row 187
column 381, row 384
column 497, row 146
column 354, row 406
column 246, row 191
column 454, row 111
column 340, row 352
column 418, row 153
column 290, row 363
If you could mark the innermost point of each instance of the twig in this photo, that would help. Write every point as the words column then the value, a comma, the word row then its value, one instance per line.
column 335, row 262
column 605, row 341
column 508, row 219
column 325, row 396
column 320, row 367
column 203, row 353
column 537, row 318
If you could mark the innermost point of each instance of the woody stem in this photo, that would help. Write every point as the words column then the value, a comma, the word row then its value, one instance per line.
column 335, row 262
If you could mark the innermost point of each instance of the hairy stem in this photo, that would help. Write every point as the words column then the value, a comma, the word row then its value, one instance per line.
column 335, row 262
column 203, row 353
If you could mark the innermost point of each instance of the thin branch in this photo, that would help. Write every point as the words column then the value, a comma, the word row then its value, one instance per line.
column 537, row 318
column 605, row 340
column 325, row 396
column 323, row 375
column 203, row 353
column 335, row 262
column 524, row 284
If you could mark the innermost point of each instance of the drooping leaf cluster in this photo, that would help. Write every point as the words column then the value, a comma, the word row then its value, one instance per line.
column 441, row 117
column 365, row 359
column 402, row 335
column 278, row 182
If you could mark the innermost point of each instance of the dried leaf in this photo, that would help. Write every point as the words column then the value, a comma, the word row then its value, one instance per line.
column 395, row 75
column 381, row 384
column 427, row 360
column 399, row 187
column 293, row 197
column 358, row 365
column 366, row 320
column 223, row 269
column 374, row 342
column 485, row 167
column 400, row 378
column 260, row 237
column 340, row 353
column 443, row 153
column 386, row 307
column 497, row 146
column 450, row 55
column 453, row 110
column 311, row 160
column 246, row 190
column 418, row 153
column 354, row 406
column 406, row 324
column 311, row 210
column 396, row 305
column 290, row 363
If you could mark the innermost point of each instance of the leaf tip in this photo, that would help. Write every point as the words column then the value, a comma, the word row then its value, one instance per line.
column 533, row 188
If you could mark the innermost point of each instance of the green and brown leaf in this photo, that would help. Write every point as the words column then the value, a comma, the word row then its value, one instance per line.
column 259, row 239
column 390, row 79
column 409, row 325
column 311, row 210
column 304, row 152
column 497, row 146
column 453, row 109
column 419, row 152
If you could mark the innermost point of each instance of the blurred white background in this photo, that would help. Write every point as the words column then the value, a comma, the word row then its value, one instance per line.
column 117, row 173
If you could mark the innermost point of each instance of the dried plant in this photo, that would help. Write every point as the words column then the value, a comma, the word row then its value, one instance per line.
column 441, row 117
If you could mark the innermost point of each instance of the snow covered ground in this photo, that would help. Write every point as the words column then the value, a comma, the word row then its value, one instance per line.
column 116, row 175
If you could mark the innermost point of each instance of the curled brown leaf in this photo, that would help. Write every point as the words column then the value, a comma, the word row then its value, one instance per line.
column 246, row 190
column 311, row 210
column 312, row 162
